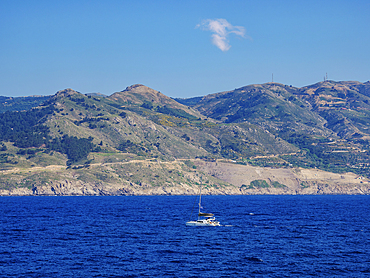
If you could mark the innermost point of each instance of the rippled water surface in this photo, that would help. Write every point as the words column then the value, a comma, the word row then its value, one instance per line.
column 264, row 236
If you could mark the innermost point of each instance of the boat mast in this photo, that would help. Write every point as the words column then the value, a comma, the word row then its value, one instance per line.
column 200, row 196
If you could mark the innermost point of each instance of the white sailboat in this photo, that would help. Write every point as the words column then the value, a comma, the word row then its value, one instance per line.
column 204, row 219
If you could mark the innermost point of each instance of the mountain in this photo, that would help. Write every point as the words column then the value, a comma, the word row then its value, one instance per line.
column 328, row 121
column 139, row 141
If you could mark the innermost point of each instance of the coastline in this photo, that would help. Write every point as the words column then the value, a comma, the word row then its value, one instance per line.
column 220, row 178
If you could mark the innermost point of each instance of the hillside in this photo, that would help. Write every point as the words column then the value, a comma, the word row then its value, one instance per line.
column 20, row 103
column 139, row 141
column 328, row 121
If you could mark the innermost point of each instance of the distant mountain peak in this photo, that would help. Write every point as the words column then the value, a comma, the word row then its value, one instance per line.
column 135, row 86
column 66, row 92
column 140, row 89
column 139, row 93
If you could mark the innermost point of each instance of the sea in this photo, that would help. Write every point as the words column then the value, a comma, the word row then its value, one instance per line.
column 146, row 236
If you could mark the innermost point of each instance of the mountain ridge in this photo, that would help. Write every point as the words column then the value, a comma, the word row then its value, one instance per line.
column 88, row 136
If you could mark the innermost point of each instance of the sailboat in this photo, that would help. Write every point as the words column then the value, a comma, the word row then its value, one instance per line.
column 204, row 219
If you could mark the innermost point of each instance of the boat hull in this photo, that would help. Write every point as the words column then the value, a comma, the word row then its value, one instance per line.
column 202, row 223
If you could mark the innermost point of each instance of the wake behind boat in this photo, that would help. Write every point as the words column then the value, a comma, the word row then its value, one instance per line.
column 204, row 219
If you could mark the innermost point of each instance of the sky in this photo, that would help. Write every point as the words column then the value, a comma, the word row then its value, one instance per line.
column 180, row 48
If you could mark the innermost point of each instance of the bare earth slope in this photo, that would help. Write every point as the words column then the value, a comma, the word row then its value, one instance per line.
column 286, row 181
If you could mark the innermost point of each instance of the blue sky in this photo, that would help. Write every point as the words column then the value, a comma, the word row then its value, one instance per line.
column 181, row 48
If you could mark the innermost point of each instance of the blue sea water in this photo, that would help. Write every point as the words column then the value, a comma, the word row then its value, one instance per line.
column 265, row 236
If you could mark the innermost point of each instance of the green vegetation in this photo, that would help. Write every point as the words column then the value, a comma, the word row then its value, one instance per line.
column 276, row 184
column 20, row 103
column 26, row 128
column 305, row 184
column 75, row 148
column 190, row 164
column 259, row 184
column 175, row 112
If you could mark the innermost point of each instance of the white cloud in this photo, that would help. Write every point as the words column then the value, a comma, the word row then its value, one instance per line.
column 221, row 28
